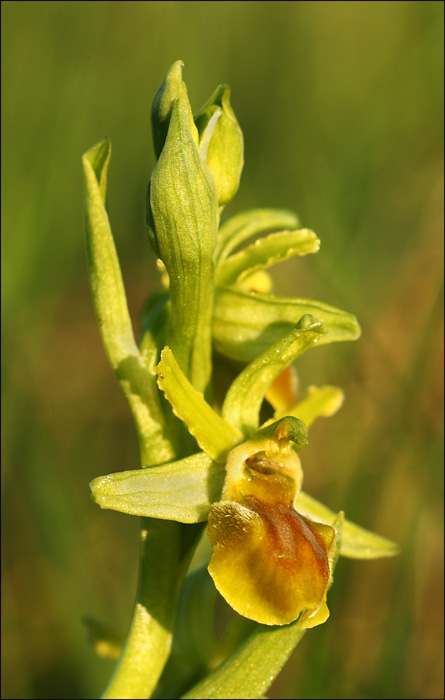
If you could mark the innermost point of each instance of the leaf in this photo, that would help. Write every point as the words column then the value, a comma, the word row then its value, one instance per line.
column 357, row 543
column 109, row 297
column 110, row 304
column 245, row 324
column 243, row 401
column 214, row 434
column 181, row 491
column 240, row 227
column 266, row 252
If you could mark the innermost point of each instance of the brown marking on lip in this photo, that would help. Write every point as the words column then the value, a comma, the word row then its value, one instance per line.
column 290, row 534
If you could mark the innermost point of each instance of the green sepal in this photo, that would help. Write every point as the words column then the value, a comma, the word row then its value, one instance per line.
column 265, row 253
column 213, row 434
column 243, row 401
column 319, row 401
column 247, row 224
column 156, row 320
column 357, row 543
column 221, row 143
column 246, row 325
column 110, row 304
column 181, row 491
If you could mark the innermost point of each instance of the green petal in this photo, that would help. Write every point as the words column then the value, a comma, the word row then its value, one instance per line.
column 251, row 223
column 246, row 324
column 214, row 434
column 319, row 401
column 266, row 252
column 181, row 491
column 243, row 401
column 357, row 543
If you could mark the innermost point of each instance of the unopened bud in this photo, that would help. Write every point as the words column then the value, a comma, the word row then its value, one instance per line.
column 221, row 143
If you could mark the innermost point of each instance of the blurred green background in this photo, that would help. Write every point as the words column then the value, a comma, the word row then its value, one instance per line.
column 341, row 107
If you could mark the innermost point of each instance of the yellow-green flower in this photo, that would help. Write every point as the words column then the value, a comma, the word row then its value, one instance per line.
column 269, row 562
column 274, row 547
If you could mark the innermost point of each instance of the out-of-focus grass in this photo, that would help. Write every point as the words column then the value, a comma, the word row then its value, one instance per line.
column 341, row 107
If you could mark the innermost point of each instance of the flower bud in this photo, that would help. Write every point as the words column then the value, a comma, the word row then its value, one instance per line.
column 171, row 89
column 221, row 143
column 182, row 221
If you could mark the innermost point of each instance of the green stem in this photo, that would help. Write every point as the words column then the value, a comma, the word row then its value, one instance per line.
column 148, row 642
column 166, row 550
column 242, row 674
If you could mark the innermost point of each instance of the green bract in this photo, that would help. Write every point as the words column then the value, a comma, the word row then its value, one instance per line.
column 275, row 547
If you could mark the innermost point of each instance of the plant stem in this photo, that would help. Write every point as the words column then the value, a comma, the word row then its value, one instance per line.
column 166, row 549
column 242, row 674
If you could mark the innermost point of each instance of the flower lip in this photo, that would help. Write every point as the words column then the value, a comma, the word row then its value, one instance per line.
column 269, row 562
column 287, row 529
